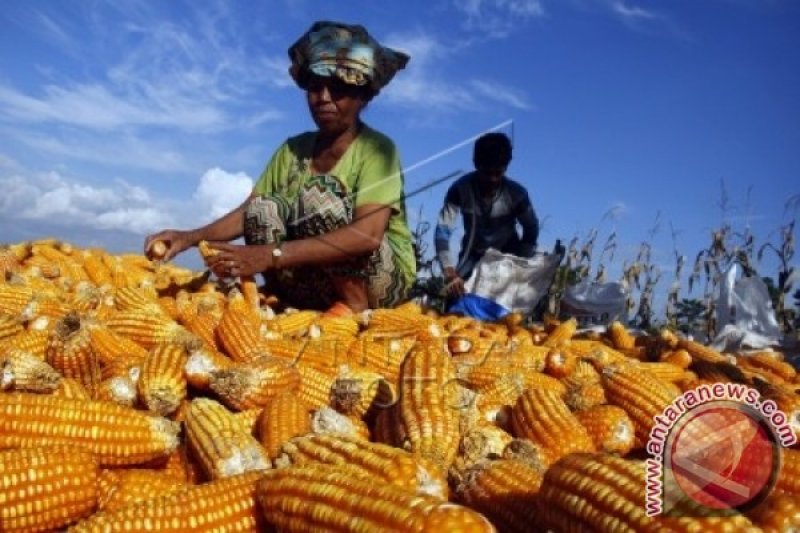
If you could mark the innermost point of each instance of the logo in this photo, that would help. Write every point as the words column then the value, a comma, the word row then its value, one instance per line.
column 713, row 454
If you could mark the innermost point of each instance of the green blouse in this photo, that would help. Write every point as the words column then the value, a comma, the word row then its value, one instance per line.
column 370, row 171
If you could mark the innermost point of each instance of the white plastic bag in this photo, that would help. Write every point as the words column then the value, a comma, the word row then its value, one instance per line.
column 745, row 318
column 594, row 304
column 514, row 282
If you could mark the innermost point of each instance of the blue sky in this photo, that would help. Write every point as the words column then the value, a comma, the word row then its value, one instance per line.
column 122, row 117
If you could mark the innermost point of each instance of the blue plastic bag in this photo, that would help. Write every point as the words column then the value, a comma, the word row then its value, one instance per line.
column 478, row 307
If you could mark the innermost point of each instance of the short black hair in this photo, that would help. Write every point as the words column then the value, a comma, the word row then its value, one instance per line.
column 492, row 150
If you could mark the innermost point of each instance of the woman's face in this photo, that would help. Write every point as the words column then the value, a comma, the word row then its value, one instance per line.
column 335, row 106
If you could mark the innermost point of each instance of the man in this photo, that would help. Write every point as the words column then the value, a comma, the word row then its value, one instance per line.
column 491, row 204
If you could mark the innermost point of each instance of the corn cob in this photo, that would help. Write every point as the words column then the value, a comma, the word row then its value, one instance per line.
column 118, row 389
column 370, row 460
column 505, row 491
column 428, row 409
column 221, row 505
column 115, row 434
column 252, row 384
column 15, row 301
column 585, row 396
column 770, row 362
column 700, row 352
column 504, row 391
column 44, row 306
column 206, row 250
column 562, row 331
column 162, row 384
column 148, row 329
column 223, row 447
column 295, row 324
column 201, row 363
column 494, row 366
column 203, row 325
column 542, row 416
column 484, row 441
column 96, row 270
column 315, row 386
column 383, row 355
column 71, row 388
column 69, row 351
column 46, row 488
column 326, row 420
column 9, row 327
column 119, row 488
column 355, row 391
column 560, row 362
column 130, row 299
column 157, row 250
column 642, row 396
column 779, row 513
column 609, row 427
column 620, row 337
column 663, row 371
column 9, row 264
column 680, row 358
column 238, row 335
column 283, row 418
column 21, row 371
column 399, row 323
column 335, row 498
column 110, row 346
column 387, row 429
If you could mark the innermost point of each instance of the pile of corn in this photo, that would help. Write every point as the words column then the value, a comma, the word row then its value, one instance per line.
column 139, row 396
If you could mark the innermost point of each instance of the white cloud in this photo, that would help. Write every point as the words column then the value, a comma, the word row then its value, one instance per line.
column 219, row 192
column 632, row 13
column 498, row 18
column 500, row 93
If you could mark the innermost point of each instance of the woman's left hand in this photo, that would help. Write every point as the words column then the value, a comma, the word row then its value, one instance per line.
column 235, row 260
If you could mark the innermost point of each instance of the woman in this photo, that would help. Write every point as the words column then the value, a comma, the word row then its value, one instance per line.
column 326, row 221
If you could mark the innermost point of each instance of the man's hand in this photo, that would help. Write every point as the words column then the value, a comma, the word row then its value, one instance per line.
column 235, row 260
column 454, row 285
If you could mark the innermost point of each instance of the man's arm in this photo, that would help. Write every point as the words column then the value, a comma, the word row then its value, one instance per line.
column 526, row 216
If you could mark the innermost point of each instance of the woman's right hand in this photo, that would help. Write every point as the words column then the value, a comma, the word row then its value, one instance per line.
column 454, row 285
column 176, row 242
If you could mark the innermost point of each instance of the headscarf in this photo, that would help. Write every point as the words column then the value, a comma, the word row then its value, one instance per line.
column 345, row 51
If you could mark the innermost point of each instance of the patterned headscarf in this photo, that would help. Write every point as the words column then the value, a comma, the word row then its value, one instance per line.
column 345, row 51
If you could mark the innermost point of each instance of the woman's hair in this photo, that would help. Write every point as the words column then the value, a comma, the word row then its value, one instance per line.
column 492, row 150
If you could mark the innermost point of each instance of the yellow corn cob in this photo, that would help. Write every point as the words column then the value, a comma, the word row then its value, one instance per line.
column 560, row 362
column 46, row 488
column 328, row 420
column 378, row 462
column 700, row 352
column 110, row 346
column 203, row 325
column 585, row 396
column 399, row 323
column 356, row 390
column 327, row 498
column 201, row 363
column 9, row 264
column 285, row 416
column 329, row 327
column 250, row 292
column 249, row 385
column 222, row 446
column 38, row 266
column 382, row 355
column 9, row 327
column 642, row 396
column 205, row 250
column 248, row 419
column 44, row 306
column 620, row 337
column 315, row 386
column 168, row 307
column 595, row 351
column 542, row 416
column 130, row 298
column 480, row 443
column 15, row 301
column 680, row 358
column 149, row 329
column 71, row 388
column 486, row 372
column 779, row 513
column 238, row 334
column 663, row 371
column 222, row 505
column 295, row 324
column 119, row 488
column 118, row 389
column 505, row 491
column 504, row 391
column 115, row 434
column 180, row 465
column 562, row 331
column 584, row 374
column 162, row 384
column 96, row 270
column 32, row 341
column 770, row 362
column 21, row 371
column 428, row 407
column 610, row 428
column 69, row 351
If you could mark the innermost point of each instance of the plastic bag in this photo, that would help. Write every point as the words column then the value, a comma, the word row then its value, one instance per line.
column 744, row 313
column 515, row 283
column 595, row 304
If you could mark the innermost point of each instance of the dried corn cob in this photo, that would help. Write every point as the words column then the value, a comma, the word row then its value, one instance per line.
column 375, row 461
column 46, row 488
column 563, row 331
column 162, row 384
column 239, row 337
column 770, row 362
column 642, row 396
column 620, row 337
column 542, row 416
column 115, row 434
column 680, row 358
column 9, row 327
column 663, row 371
column 149, row 329
column 336, row 498
column 315, row 386
column 223, row 447
column 399, row 323
column 326, row 420
column 157, row 250
column 71, row 388
column 560, row 362
column 585, row 396
column 355, row 391
column 15, row 301
column 505, row 491
column 201, row 363
column 610, row 428
column 700, row 352
column 122, row 487
column 222, row 505
column 297, row 324
column 481, row 442
column 283, row 418
column 110, row 346
column 428, row 408
column 118, row 389
column 96, row 270
column 132, row 298
column 206, row 250
column 69, row 351
column 21, row 371
column 249, row 385
column 203, row 325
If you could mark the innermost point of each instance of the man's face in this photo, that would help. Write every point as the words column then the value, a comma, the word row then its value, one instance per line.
column 490, row 176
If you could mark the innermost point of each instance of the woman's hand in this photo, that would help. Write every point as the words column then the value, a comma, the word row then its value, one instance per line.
column 236, row 260
column 454, row 285
column 176, row 242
